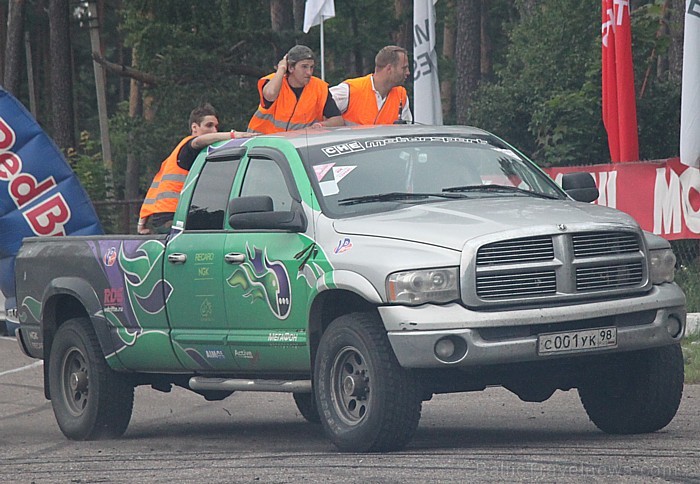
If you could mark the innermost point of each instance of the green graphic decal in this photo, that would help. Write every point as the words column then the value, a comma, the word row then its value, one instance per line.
column 261, row 278
column 34, row 308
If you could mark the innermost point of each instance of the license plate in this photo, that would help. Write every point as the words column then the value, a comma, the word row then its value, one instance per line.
column 572, row 341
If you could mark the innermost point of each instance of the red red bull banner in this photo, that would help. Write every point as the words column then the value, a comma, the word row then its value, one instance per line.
column 663, row 196
column 40, row 195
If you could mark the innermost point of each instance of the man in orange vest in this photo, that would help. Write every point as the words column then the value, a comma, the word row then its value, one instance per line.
column 377, row 98
column 158, row 208
column 292, row 98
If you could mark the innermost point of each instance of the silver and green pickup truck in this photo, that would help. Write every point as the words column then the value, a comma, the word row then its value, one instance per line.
column 363, row 270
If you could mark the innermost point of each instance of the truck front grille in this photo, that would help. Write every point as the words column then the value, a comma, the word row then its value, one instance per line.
column 555, row 267
column 613, row 276
column 525, row 284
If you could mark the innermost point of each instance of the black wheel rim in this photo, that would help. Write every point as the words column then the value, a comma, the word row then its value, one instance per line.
column 74, row 381
column 350, row 384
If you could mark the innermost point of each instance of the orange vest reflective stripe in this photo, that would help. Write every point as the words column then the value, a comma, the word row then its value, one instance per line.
column 166, row 186
column 287, row 112
column 362, row 103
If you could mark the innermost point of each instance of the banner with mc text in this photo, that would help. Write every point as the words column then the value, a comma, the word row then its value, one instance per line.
column 663, row 196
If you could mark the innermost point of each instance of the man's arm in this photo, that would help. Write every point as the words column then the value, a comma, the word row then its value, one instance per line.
column 271, row 89
column 406, row 114
column 189, row 151
column 331, row 114
column 341, row 94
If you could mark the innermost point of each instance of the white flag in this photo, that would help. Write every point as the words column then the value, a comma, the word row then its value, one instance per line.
column 316, row 12
column 427, row 107
column 690, row 94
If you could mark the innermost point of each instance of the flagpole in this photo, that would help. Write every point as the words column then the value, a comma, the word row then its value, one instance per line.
column 323, row 67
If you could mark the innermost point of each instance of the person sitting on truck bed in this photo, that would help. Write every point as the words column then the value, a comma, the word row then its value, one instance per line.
column 377, row 98
column 292, row 98
column 158, row 208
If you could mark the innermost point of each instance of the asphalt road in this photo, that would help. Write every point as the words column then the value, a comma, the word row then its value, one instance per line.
column 488, row 436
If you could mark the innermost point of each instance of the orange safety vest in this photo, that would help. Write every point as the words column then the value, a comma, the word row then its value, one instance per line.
column 362, row 103
column 287, row 112
column 166, row 186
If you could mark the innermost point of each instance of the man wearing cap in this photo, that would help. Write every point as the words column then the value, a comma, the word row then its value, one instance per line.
column 292, row 98
column 377, row 98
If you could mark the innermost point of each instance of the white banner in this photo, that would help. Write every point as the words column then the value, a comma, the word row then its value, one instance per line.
column 427, row 107
column 316, row 12
column 690, row 94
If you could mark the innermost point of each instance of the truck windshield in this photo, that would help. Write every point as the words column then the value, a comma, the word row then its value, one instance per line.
column 388, row 173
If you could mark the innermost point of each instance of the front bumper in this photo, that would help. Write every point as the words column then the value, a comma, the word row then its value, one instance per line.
column 414, row 331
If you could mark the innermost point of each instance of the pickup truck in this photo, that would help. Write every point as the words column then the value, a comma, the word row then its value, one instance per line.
column 363, row 270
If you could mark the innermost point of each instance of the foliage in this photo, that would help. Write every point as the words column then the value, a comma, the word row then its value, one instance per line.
column 86, row 161
column 544, row 95
column 688, row 277
column 547, row 97
column 691, row 358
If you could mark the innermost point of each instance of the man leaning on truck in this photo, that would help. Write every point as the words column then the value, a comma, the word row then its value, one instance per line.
column 158, row 208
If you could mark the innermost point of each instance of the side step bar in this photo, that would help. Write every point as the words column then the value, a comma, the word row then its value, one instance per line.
column 233, row 385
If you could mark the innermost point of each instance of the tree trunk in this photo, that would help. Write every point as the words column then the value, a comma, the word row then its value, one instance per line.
column 133, row 162
column 281, row 15
column 675, row 50
column 526, row 8
column 448, row 53
column 3, row 38
column 486, row 44
column 298, row 8
column 61, row 75
column 14, row 46
column 404, row 15
column 467, row 55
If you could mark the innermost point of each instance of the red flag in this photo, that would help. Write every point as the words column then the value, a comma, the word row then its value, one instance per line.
column 619, row 108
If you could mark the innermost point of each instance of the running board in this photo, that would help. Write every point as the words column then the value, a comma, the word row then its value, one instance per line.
column 201, row 383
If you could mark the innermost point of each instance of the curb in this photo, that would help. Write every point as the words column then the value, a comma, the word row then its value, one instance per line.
column 692, row 324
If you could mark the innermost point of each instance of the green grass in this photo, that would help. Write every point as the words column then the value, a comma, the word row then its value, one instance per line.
column 688, row 277
column 691, row 357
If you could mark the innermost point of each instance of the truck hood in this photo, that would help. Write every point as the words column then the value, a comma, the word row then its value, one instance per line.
column 449, row 224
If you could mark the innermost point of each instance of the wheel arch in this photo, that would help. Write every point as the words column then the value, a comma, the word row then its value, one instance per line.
column 66, row 298
column 328, row 306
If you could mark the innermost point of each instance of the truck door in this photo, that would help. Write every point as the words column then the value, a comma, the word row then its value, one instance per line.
column 194, row 270
column 266, row 302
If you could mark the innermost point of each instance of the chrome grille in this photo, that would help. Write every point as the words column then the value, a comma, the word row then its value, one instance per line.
column 528, row 249
column 608, row 277
column 592, row 244
column 555, row 267
column 527, row 284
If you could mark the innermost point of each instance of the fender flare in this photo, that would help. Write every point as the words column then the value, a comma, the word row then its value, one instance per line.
column 349, row 281
column 85, row 294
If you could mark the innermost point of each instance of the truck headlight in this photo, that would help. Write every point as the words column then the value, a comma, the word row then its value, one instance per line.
column 663, row 264
column 423, row 286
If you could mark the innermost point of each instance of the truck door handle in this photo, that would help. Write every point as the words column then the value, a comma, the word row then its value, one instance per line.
column 234, row 258
column 177, row 258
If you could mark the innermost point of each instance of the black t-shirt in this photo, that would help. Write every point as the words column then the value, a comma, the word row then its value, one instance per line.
column 329, row 110
column 187, row 155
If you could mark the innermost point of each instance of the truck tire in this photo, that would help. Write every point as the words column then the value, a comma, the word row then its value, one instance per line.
column 639, row 393
column 306, row 404
column 90, row 400
column 366, row 400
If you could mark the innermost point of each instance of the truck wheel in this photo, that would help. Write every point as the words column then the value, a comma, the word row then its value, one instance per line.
column 89, row 399
column 638, row 393
column 306, row 404
column 367, row 402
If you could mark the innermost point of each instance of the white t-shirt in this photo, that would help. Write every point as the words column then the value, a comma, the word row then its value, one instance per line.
column 341, row 92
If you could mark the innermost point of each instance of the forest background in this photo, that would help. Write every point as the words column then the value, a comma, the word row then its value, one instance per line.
column 527, row 70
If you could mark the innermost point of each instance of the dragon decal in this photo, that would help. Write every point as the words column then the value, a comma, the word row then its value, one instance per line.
column 261, row 278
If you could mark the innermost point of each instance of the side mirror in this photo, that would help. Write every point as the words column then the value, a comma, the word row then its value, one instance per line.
column 255, row 213
column 580, row 186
